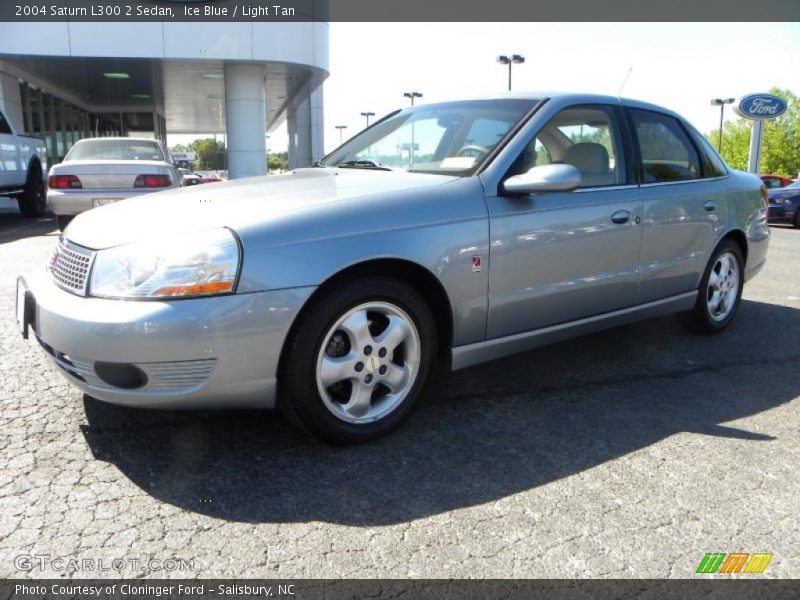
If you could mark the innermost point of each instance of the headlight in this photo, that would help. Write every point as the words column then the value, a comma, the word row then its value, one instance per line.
column 202, row 263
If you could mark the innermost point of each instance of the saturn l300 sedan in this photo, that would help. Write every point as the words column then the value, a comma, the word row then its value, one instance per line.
column 100, row 171
column 458, row 232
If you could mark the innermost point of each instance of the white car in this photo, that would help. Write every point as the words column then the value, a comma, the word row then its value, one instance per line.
column 99, row 171
column 23, row 163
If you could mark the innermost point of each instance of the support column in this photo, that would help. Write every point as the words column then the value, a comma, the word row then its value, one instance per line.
column 291, row 126
column 245, row 120
column 306, row 131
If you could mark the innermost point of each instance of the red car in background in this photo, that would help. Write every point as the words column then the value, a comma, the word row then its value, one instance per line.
column 775, row 181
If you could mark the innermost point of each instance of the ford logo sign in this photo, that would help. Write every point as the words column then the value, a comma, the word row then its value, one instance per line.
column 760, row 106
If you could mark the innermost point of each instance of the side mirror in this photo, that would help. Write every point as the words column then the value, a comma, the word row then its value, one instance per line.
column 544, row 178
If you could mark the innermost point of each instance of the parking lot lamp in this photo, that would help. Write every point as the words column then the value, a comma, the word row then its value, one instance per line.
column 367, row 115
column 721, row 102
column 341, row 129
column 412, row 95
column 509, row 60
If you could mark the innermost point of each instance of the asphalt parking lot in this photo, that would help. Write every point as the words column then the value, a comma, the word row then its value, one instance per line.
column 629, row 453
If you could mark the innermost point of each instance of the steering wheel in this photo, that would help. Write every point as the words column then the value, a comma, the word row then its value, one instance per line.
column 479, row 150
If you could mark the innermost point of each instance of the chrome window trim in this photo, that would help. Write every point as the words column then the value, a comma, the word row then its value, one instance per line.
column 684, row 181
column 602, row 188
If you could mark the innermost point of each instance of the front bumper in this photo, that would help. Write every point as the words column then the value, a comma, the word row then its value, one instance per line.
column 73, row 202
column 217, row 352
column 780, row 214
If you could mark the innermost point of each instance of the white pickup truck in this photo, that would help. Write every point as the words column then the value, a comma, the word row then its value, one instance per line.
column 23, row 169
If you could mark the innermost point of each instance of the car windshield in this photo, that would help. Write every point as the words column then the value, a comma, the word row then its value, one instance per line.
column 452, row 138
column 796, row 184
column 117, row 149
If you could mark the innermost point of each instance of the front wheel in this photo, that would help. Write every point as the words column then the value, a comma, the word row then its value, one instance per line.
column 62, row 221
column 357, row 360
column 720, row 290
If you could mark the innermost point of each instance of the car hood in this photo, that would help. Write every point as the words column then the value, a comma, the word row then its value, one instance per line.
column 236, row 204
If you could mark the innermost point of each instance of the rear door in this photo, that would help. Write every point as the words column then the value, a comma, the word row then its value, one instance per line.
column 684, row 204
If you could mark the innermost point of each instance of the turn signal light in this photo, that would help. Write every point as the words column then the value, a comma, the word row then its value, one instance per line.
column 194, row 289
column 64, row 182
column 152, row 181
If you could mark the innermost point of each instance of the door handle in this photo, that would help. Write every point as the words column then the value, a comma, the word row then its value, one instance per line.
column 621, row 216
column 710, row 205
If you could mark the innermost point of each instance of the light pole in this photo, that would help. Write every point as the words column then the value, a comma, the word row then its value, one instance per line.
column 513, row 59
column 721, row 102
column 341, row 129
column 367, row 115
column 412, row 95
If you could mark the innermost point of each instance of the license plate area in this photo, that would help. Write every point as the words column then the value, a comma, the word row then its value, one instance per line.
column 103, row 201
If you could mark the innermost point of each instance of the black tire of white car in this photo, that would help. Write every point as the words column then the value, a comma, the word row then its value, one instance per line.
column 699, row 318
column 33, row 200
column 300, row 396
column 62, row 221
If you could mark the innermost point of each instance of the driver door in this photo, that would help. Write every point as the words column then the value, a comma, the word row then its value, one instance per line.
column 558, row 257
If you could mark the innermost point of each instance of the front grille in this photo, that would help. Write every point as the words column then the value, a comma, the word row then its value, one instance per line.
column 70, row 266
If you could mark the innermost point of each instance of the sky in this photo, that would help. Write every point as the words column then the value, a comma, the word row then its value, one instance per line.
column 680, row 66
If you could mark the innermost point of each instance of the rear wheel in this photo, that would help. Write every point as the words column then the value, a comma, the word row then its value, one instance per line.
column 63, row 220
column 720, row 290
column 357, row 360
column 796, row 222
column 33, row 201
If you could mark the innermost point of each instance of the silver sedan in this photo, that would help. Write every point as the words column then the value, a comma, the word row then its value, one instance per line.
column 100, row 171
column 458, row 232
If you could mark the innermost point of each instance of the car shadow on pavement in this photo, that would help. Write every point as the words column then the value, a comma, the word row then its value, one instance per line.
column 479, row 435
column 13, row 226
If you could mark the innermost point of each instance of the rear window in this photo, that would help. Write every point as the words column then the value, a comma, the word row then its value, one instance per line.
column 118, row 149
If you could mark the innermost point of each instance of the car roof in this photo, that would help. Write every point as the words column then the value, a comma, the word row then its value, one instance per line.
column 565, row 98
column 118, row 138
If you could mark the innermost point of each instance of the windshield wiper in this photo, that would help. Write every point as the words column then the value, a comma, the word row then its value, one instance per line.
column 363, row 164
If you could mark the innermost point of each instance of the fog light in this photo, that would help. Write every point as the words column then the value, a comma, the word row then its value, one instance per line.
column 128, row 377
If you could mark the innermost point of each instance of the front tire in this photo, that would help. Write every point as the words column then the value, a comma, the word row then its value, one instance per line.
column 63, row 220
column 357, row 359
column 720, row 291
column 33, row 201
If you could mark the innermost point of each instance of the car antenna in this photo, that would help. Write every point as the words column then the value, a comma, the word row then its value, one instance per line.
column 625, row 80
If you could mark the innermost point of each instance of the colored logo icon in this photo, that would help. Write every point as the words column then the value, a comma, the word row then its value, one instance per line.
column 737, row 562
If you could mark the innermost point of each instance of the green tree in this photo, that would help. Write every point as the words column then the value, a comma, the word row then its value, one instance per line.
column 780, row 152
column 211, row 154
column 179, row 148
column 278, row 161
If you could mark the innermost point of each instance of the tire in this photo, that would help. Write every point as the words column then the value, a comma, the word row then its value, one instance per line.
column 63, row 220
column 716, row 303
column 336, row 380
column 796, row 221
column 33, row 200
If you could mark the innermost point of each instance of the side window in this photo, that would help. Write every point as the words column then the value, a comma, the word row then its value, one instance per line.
column 713, row 165
column 667, row 152
column 771, row 182
column 586, row 137
column 4, row 126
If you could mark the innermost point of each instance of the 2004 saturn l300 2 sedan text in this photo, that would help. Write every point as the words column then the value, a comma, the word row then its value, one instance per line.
column 461, row 231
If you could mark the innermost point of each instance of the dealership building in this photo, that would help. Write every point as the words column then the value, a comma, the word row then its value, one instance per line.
column 63, row 81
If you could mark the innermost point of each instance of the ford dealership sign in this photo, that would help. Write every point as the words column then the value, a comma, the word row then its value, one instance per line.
column 760, row 106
